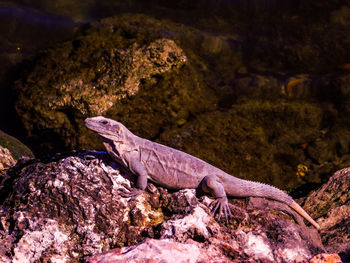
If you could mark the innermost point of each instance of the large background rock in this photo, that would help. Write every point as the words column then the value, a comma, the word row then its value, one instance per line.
column 213, row 99
column 67, row 208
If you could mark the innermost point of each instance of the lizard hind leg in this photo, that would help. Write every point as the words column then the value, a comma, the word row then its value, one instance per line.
column 211, row 185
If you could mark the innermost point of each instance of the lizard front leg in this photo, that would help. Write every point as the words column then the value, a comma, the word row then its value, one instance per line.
column 138, row 169
column 211, row 185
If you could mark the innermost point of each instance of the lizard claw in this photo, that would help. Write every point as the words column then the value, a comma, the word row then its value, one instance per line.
column 220, row 207
column 133, row 193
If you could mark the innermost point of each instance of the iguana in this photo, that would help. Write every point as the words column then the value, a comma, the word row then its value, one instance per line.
column 175, row 169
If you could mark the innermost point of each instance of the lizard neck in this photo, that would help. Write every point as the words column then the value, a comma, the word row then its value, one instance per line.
column 118, row 149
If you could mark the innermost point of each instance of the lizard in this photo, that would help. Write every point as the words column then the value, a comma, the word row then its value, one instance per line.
column 174, row 169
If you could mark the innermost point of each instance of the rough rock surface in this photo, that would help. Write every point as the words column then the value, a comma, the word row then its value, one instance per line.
column 100, row 71
column 92, row 84
column 151, row 250
column 331, row 205
column 67, row 208
column 167, row 251
column 119, row 75
column 6, row 160
column 17, row 148
column 326, row 258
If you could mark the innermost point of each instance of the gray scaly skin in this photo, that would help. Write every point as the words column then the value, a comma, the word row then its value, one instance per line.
column 174, row 169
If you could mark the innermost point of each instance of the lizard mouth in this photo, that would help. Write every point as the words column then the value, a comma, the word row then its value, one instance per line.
column 92, row 126
column 97, row 126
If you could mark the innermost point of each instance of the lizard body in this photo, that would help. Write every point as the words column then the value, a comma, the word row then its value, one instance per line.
column 175, row 169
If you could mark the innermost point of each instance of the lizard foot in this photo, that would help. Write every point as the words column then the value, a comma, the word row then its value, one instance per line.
column 220, row 207
column 133, row 193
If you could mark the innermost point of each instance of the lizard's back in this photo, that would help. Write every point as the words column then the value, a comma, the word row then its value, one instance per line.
column 173, row 168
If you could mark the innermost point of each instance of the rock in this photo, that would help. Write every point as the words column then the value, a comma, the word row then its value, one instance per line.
column 331, row 205
column 17, row 148
column 68, row 208
column 119, row 75
column 102, row 71
column 6, row 162
column 326, row 258
column 215, row 45
column 341, row 16
column 41, row 238
column 341, row 85
column 298, row 86
column 151, row 250
column 249, row 86
column 6, row 159
column 332, row 87
column 113, row 74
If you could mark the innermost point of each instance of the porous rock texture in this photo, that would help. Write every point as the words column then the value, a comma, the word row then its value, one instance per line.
column 331, row 205
column 326, row 258
column 119, row 75
column 68, row 208
column 6, row 160
column 94, row 83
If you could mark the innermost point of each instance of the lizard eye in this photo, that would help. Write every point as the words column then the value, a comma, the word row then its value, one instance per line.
column 104, row 122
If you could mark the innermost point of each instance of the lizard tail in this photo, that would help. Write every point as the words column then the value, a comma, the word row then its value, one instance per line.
column 249, row 188
column 302, row 212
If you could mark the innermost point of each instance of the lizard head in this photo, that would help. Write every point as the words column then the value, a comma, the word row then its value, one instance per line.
column 107, row 128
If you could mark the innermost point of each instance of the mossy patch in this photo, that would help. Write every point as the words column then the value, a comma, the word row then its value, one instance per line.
column 16, row 148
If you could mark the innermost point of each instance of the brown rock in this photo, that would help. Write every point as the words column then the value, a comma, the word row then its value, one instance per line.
column 120, row 73
column 16, row 147
column 326, row 258
column 298, row 86
column 6, row 159
column 331, row 205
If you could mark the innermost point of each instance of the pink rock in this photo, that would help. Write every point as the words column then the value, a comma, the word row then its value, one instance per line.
column 150, row 251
